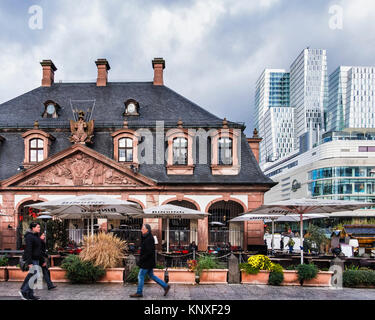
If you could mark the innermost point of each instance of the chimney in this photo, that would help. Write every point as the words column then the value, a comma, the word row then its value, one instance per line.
column 48, row 73
column 254, row 144
column 103, row 67
column 158, row 64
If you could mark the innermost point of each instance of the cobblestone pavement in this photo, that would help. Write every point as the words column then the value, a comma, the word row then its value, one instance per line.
column 9, row 291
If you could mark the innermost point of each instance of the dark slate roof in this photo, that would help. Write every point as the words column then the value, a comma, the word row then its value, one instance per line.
column 155, row 103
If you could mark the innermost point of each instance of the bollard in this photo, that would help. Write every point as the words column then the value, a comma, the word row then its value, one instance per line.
column 130, row 263
column 337, row 266
column 233, row 270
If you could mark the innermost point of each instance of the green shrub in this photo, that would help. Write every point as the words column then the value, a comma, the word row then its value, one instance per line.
column 248, row 268
column 207, row 262
column 291, row 267
column 275, row 278
column 355, row 278
column 275, row 267
column 306, row 272
column 78, row 271
column 4, row 261
column 352, row 267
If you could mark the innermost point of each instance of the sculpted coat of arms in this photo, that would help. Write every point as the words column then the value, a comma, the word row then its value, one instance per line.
column 82, row 131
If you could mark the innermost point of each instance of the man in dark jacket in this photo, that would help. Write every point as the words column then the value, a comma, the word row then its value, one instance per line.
column 32, row 256
column 147, row 262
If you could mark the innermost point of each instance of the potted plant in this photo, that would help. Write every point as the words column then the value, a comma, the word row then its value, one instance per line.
column 3, row 268
column 80, row 271
column 306, row 272
column 276, row 276
column 105, row 250
column 256, row 270
column 210, row 271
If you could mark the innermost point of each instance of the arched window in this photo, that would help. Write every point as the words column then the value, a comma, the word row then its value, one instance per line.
column 125, row 150
column 180, row 151
column 225, row 151
column 36, row 149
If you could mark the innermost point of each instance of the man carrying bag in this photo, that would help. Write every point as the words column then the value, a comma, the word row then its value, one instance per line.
column 31, row 256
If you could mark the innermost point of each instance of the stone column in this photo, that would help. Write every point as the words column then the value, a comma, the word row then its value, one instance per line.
column 152, row 200
column 203, row 234
column 8, row 235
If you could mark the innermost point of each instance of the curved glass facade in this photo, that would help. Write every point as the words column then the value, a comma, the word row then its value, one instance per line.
column 343, row 183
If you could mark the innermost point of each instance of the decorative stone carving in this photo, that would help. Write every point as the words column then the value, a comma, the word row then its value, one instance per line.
column 82, row 131
column 79, row 170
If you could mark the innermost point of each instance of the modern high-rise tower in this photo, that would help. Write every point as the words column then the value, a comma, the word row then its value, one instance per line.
column 351, row 98
column 272, row 98
column 309, row 95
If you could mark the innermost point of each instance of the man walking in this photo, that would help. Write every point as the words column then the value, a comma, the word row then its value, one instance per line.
column 32, row 256
column 44, row 261
column 147, row 262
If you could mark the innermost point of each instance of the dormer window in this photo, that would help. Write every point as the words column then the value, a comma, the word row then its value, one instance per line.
column 125, row 150
column 180, row 151
column 50, row 109
column 225, row 151
column 125, row 146
column 37, row 144
column 131, row 108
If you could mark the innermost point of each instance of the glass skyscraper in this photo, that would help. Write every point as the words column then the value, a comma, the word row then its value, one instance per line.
column 309, row 94
column 271, row 98
column 351, row 98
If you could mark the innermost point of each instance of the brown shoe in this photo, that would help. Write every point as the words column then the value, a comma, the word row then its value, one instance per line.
column 136, row 295
column 166, row 290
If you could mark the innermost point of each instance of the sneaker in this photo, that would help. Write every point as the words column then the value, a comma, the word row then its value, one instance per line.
column 166, row 290
column 52, row 287
column 23, row 295
column 136, row 295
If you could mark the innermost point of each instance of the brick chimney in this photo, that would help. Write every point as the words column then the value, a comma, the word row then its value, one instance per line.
column 48, row 73
column 158, row 64
column 103, row 67
column 254, row 144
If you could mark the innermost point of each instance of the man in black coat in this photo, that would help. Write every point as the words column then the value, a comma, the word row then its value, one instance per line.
column 147, row 262
column 32, row 256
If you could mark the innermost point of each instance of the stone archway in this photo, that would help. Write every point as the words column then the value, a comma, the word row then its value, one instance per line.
column 182, row 231
column 220, row 230
column 25, row 216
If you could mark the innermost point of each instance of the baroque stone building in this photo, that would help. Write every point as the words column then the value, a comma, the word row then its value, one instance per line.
column 137, row 141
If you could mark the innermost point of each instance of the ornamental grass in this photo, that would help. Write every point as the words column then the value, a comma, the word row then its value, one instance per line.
column 104, row 249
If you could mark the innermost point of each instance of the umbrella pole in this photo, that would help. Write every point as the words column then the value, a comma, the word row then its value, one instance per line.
column 92, row 225
column 301, row 237
column 167, row 235
column 88, row 227
column 273, row 230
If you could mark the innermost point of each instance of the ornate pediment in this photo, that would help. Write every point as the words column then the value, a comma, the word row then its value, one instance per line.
column 79, row 170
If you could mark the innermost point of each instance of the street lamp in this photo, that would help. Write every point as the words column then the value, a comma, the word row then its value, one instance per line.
column 45, row 217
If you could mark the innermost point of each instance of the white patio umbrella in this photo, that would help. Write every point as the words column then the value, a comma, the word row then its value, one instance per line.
column 169, row 211
column 89, row 207
column 275, row 218
column 304, row 206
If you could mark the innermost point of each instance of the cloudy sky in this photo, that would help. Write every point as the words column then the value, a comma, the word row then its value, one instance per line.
column 214, row 49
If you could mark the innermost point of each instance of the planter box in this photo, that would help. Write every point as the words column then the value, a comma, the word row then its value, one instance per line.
column 3, row 274
column 290, row 278
column 115, row 275
column 159, row 273
column 213, row 276
column 323, row 279
column 16, row 274
column 182, row 276
column 260, row 278
column 58, row 274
